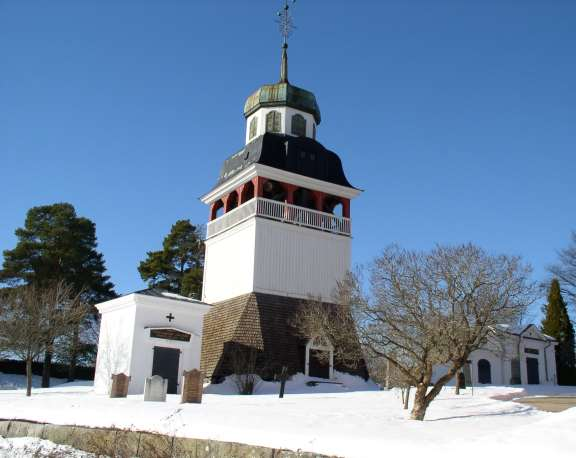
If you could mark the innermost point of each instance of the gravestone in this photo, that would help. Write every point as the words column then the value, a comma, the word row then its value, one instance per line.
column 192, row 386
column 155, row 389
column 120, row 384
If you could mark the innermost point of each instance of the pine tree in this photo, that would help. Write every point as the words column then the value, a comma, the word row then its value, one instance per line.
column 179, row 266
column 57, row 245
column 557, row 324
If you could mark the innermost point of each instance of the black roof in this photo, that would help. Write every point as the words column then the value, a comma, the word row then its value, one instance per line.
column 301, row 155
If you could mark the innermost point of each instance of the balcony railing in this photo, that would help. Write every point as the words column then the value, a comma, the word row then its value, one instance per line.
column 279, row 211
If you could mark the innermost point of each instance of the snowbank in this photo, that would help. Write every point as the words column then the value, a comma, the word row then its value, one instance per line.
column 299, row 384
column 24, row 447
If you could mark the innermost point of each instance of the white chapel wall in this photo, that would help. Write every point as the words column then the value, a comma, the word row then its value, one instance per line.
column 114, row 346
column 152, row 314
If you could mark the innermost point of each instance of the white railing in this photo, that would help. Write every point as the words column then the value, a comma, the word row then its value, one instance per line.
column 279, row 211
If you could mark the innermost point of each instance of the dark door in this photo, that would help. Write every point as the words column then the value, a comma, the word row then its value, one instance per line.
column 165, row 364
column 319, row 365
column 533, row 372
column 484, row 371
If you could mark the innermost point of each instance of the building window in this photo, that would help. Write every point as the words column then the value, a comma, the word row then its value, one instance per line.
column 314, row 131
column 298, row 125
column 253, row 127
column 484, row 371
column 273, row 122
column 532, row 351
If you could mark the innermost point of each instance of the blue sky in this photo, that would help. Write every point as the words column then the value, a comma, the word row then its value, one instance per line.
column 457, row 117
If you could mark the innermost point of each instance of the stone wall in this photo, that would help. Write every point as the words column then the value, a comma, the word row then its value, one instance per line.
column 124, row 443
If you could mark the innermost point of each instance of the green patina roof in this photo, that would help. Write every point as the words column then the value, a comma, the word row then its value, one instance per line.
column 283, row 94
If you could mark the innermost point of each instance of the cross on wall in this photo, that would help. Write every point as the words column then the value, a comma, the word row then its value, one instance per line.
column 170, row 317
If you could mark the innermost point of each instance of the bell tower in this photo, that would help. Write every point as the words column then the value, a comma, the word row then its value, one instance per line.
column 279, row 231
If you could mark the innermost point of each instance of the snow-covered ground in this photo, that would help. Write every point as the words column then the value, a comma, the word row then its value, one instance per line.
column 25, row 447
column 330, row 419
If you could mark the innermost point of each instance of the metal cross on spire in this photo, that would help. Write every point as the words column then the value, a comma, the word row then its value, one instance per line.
column 285, row 21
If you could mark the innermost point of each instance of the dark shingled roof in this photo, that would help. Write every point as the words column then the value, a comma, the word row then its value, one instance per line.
column 301, row 155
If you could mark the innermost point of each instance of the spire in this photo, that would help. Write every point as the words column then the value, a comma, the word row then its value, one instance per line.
column 286, row 28
column 284, row 64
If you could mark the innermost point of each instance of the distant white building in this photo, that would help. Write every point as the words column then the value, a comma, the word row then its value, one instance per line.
column 512, row 356
column 146, row 333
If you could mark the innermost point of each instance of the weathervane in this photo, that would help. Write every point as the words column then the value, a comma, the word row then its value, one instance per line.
column 285, row 21
column 286, row 29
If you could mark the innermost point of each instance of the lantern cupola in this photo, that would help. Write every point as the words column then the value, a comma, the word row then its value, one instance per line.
column 281, row 108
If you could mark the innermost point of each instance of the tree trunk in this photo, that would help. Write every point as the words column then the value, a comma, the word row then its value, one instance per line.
column 457, row 389
column 387, row 374
column 74, row 355
column 29, row 376
column 420, row 402
column 47, row 367
column 407, row 398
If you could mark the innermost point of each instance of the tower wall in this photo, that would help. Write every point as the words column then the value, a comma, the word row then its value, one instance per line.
column 261, row 255
column 229, row 263
column 297, row 261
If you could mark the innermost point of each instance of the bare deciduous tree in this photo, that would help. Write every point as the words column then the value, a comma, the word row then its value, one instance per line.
column 244, row 363
column 565, row 270
column 31, row 317
column 427, row 311
column 431, row 310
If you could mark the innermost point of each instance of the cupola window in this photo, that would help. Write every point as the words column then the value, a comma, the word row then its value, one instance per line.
column 253, row 127
column 298, row 125
column 273, row 122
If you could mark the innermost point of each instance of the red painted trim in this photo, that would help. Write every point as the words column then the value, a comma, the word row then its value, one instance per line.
column 346, row 208
column 290, row 190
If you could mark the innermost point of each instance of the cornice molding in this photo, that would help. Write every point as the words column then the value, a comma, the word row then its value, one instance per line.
column 273, row 173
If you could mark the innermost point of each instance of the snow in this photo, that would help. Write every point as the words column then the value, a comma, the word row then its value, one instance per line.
column 352, row 419
column 24, row 447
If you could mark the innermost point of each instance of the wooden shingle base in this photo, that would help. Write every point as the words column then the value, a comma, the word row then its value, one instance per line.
column 255, row 332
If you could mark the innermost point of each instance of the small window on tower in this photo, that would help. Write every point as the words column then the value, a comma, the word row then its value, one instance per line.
column 253, row 127
column 298, row 125
column 314, row 131
column 273, row 121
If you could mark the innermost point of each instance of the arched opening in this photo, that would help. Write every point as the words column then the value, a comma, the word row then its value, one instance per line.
column 253, row 127
column 304, row 198
column 484, row 371
column 274, row 191
column 298, row 125
column 319, row 358
column 247, row 192
column 217, row 210
column 333, row 205
column 232, row 201
column 273, row 122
